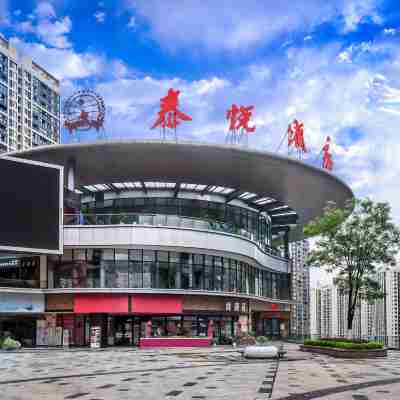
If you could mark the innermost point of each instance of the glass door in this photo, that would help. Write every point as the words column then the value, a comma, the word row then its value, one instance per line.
column 136, row 331
column 123, row 331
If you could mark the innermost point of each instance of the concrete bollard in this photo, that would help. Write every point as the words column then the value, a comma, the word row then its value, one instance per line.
column 260, row 352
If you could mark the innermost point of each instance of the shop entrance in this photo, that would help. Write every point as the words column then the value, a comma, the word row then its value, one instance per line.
column 126, row 330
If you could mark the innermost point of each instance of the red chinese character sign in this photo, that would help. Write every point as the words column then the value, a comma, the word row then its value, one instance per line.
column 239, row 119
column 327, row 162
column 169, row 117
column 295, row 136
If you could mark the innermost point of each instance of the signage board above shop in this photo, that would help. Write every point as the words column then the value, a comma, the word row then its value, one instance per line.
column 29, row 262
column 23, row 303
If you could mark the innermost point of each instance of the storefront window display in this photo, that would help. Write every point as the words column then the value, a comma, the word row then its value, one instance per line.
column 20, row 272
column 123, row 268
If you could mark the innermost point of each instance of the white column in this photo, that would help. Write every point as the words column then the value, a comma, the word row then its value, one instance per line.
column 71, row 175
column 50, row 276
column 102, row 275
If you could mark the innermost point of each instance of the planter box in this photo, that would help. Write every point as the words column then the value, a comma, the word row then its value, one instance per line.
column 146, row 343
column 345, row 353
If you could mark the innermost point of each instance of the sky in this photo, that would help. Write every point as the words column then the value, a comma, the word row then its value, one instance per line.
column 335, row 65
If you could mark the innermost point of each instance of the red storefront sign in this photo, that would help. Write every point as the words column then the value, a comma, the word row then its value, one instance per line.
column 156, row 304
column 101, row 303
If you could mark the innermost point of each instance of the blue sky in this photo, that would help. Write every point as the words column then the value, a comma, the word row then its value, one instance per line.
column 333, row 64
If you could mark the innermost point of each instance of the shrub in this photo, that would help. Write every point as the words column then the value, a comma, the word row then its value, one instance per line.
column 246, row 341
column 262, row 340
column 10, row 344
column 341, row 339
column 340, row 344
column 226, row 340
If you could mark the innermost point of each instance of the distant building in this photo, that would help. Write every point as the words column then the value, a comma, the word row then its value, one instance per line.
column 29, row 102
column 315, row 312
column 330, row 313
column 300, row 317
column 378, row 320
column 387, row 309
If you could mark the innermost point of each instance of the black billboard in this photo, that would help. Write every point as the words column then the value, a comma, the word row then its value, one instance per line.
column 31, row 202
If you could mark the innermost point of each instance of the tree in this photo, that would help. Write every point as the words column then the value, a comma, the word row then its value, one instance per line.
column 353, row 243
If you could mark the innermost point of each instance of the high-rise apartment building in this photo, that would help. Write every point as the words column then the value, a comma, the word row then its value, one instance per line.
column 329, row 313
column 379, row 320
column 300, row 317
column 387, row 321
column 315, row 312
column 29, row 102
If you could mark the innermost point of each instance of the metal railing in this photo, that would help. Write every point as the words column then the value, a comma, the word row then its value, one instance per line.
column 166, row 220
column 19, row 283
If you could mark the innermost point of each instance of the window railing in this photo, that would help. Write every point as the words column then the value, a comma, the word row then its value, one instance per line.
column 19, row 283
column 166, row 220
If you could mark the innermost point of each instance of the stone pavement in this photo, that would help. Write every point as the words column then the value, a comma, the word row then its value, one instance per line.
column 183, row 374
column 313, row 376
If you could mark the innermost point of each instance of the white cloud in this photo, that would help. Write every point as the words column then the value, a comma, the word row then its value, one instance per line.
column 45, row 10
column 389, row 31
column 100, row 16
column 344, row 56
column 232, row 26
column 45, row 25
column 132, row 22
column 54, row 32
column 358, row 11
column 62, row 63
column 4, row 12
column 119, row 69
column 331, row 98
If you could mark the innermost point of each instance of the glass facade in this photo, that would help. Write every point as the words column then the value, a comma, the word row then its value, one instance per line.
column 3, row 68
column 137, row 268
column 225, row 217
column 20, row 272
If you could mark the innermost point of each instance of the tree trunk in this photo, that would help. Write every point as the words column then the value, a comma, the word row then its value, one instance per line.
column 350, row 317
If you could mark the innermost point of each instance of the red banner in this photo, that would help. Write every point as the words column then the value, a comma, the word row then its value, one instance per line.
column 156, row 304
column 100, row 303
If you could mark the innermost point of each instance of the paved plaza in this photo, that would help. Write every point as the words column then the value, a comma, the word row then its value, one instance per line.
column 183, row 374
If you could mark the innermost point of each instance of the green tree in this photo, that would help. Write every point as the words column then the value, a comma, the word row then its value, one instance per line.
column 353, row 242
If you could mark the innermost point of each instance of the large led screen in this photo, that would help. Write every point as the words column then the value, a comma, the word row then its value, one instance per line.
column 31, row 201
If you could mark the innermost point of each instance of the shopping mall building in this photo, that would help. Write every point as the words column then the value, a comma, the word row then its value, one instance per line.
column 166, row 240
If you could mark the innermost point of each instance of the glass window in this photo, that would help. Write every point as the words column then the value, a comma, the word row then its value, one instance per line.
column 218, row 273
column 108, row 254
column 163, row 281
column 121, row 274
column 121, row 254
column 135, row 255
column 162, row 256
column 209, row 273
column 149, row 255
column 94, row 268
column 147, row 275
column 186, row 275
column 198, row 276
column 174, row 276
